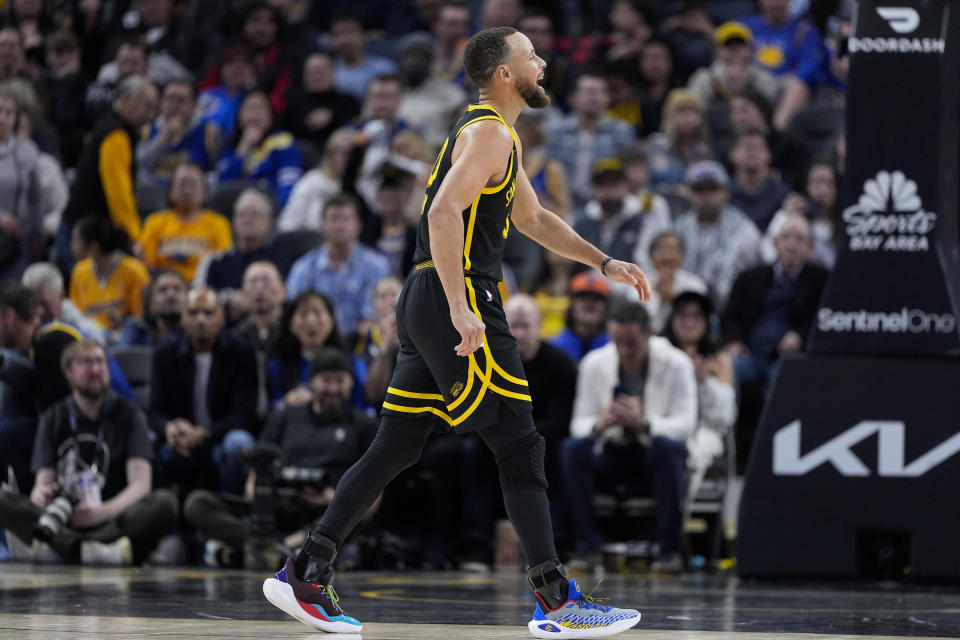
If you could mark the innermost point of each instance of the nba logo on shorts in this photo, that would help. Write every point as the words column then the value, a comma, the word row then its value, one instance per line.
column 489, row 295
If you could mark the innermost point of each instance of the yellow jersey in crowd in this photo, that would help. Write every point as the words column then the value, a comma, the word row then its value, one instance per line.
column 109, row 297
column 169, row 242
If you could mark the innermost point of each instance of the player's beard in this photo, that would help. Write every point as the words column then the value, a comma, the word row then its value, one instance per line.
column 533, row 94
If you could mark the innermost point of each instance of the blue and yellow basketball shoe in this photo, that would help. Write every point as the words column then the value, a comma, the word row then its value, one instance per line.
column 580, row 617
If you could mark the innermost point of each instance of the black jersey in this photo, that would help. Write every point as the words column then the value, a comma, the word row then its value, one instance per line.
column 487, row 221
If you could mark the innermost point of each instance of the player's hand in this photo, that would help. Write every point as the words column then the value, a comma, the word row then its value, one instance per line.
column 628, row 273
column 470, row 328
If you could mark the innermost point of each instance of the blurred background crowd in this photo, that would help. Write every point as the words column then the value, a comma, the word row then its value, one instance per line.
column 207, row 209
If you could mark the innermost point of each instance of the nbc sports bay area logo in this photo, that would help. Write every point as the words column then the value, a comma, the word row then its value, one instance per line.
column 903, row 321
column 889, row 216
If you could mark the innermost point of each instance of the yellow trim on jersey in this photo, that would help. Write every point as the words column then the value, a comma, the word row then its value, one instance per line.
column 488, row 190
column 468, row 241
column 426, row 264
column 466, row 389
column 478, row 120
column 414, row 394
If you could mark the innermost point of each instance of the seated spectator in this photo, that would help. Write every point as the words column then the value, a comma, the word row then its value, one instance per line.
column 104, row 181
column 61, row 324
column 539, row 26
column 388, row 229
column 732, row 71
column 785, row 46
column 635, row 408
column 821, row 206
column 46, row 283
column 549, row 181
column 688, row 329
column 690, row 31
column 451, row 31
column 130, row 59
column 52, row 183
column 547, row 175
column 221, row 102
column 162, row 67
column 790, row 154
column 310, row 194
column 62, row 84
column 19, row 320
column 553, row 380
column 13, row 56
column 317, row 108
column 21, row 201
column 631, row 26
column 587, row 134
column 179, row 135
column 586, row 317
column 668, row 278
column 308, row 325
column 684, row 140
column 756, row 190
column 323, row 433
column 263, row 294
column 354, row 68
column 719, row 240
column 94, row 445
column 638, row 182
column 616, row 221
column 35, row 22
column 551, row 290
column 429, row 103
column 258, row 151
column 203, row 400
column 380, row 127
column 163, row 301
column 252, row 221
column 180, row 237
column 381, row 344
column 174, row 45
column 341, row 268
column 657, row 75
column 771, row 308
column 106, row 284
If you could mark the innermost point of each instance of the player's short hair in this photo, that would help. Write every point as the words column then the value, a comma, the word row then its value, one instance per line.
column 486, row 51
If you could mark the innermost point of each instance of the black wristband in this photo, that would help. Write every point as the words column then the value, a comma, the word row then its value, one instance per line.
column 603, row 265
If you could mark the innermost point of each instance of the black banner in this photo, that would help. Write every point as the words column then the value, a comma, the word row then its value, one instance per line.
column 851, row 451
column 894, row 289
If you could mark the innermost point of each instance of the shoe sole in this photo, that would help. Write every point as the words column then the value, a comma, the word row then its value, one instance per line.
column 280, row 595
column 558, row 631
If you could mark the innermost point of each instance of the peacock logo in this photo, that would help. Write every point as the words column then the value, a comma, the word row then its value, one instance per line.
column 889, row 216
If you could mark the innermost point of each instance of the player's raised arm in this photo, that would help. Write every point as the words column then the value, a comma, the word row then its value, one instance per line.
column 480, row 153
column 549, row 230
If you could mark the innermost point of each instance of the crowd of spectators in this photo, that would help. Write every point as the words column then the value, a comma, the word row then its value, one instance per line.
column 226, row 192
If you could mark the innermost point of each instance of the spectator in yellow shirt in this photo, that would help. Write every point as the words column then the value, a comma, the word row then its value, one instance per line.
column 178, row 238
column 106, row 284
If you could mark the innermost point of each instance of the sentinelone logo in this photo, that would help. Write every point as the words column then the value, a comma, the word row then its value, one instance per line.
column 903, row 321
column 901, row 20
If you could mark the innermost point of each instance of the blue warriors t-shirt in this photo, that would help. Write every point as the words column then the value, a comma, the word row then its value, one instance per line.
column 796, row 48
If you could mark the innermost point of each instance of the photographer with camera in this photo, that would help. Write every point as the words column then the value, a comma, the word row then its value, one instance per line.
column 92, row 498
column 297, row 463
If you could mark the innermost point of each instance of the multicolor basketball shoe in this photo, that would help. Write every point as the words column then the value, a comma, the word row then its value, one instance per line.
column 580, row 617
column 314, row 605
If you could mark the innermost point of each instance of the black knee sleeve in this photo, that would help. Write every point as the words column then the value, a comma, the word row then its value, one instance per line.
column 521, row 464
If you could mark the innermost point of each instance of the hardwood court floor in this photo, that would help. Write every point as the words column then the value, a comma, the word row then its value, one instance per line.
column 68, row 602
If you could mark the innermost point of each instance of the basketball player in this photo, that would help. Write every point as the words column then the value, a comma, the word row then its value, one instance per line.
column 458, row 366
